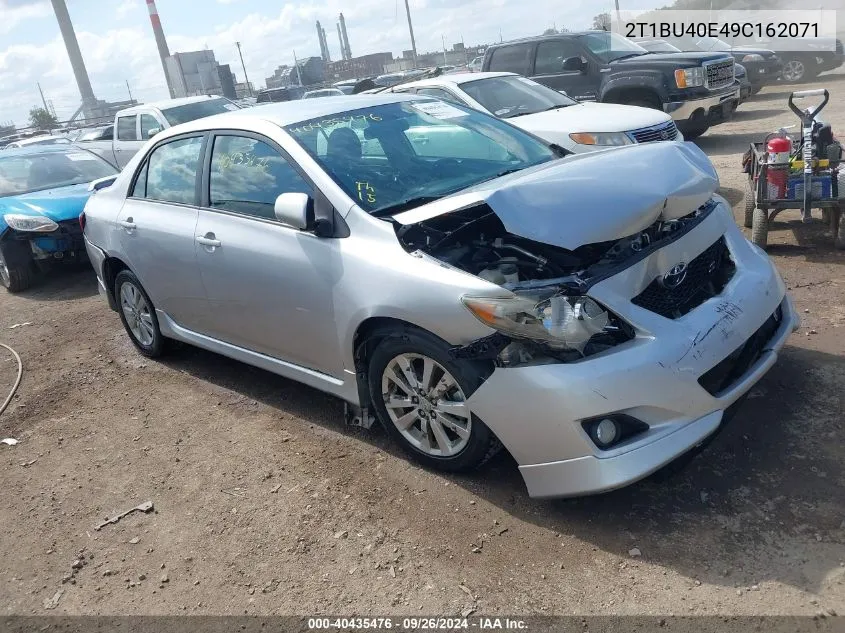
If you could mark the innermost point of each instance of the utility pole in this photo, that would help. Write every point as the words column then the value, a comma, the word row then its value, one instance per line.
column 443, row 39
column 466, row 57
column 411, row 30
column 43, row 100
column 129, row 90
column 246, row 79
column 619, row 17
column 298, row 72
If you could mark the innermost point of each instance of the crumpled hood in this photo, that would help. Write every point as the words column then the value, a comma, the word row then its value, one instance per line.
column 60, row 204
column 588, row 198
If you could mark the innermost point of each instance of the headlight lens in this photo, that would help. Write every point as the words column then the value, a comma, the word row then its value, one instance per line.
column 559, row 321
column 601, row 138
column 753, row 57
column 689, row 77
column 33, row 223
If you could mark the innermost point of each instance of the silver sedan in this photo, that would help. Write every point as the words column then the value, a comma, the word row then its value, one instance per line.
column 452, row 277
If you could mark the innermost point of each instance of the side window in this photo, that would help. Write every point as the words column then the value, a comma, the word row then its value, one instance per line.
column 126, row 128
column 551, row 53
column 139, row 189
column 149, row 124
column 171, row 171
column 512, row 59
column 439, row 93
column 247, row 175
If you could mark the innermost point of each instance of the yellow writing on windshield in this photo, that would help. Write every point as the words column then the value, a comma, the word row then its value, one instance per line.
column 247, row 159
column 366, row 192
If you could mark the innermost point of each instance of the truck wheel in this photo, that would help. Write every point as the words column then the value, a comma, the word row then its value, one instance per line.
column 692, row 133
column 16, row 272
column 760, row 228
column 838, row 227
column 748, row 220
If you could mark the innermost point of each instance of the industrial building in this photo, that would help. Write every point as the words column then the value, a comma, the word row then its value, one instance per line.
column 358, row 67
column 307, row 72
column 198, row 73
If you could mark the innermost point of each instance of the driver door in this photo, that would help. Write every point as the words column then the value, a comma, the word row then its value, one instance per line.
column 548, row 69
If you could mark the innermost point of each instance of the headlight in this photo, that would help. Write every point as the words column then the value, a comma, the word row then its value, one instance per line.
column 559, row 321
column 753, row 57
column 601, row 138
column 689, row 77
column 34, row 223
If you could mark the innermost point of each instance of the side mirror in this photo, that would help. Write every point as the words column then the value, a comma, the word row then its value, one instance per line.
column 101, row 183
column 574, row 64
column 153, row 131
column 293, row 209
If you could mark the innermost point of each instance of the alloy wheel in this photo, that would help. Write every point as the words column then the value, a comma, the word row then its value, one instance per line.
column 137, row 314
column 426, row 404
column 793, row 70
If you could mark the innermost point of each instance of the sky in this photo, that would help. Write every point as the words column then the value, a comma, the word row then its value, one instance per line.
column 118, row 46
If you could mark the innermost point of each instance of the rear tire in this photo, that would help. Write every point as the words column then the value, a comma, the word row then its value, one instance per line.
column 16, row 272
column 748, row 220
column 692, row 133
column 138, row 315
column 421, row 428
column 760, row 228
column 838, row 226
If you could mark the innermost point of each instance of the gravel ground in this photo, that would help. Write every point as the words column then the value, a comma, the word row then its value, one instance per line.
column 265, row 503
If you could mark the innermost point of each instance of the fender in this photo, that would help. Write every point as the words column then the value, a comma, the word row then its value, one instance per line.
column 653, row 80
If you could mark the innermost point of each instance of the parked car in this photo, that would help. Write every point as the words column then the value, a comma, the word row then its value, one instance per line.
column 276, row 95
column 577, row 127
column 105, row 133
column 43, row 189
column 476, row 64
column 595, row 315
column 740, row 72
column 764, row 67
column 346, row 86
column 38, row 140
column 136, row 125
column 803, row 58
column 323, row 92
column 696, row 89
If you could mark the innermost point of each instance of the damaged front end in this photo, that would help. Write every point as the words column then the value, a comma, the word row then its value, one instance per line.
column 546, row 314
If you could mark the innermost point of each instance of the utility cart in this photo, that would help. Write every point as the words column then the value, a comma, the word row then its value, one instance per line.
column 810, row 176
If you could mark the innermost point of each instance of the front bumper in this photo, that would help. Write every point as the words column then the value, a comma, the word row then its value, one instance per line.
column 65, row 243
column 712, row 109
column 536, row 411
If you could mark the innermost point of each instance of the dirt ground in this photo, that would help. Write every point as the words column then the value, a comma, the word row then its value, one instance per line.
column 265, row 503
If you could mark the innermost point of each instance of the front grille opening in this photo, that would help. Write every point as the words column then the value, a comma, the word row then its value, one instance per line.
column 720, row 74
column 706, row 276
column 730, row 370
column 664, row 132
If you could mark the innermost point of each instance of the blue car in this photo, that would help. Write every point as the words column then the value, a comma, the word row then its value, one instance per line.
column 43, row 191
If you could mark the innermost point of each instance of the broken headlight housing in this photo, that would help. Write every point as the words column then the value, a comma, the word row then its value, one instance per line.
column 31, row 223
column 558, row 321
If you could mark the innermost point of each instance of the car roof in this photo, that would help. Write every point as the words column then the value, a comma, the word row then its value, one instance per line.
column 540, row 38
column 62, row 148
column 454, row 79
column 40, row 139
column 290, row 112
column 167, row 103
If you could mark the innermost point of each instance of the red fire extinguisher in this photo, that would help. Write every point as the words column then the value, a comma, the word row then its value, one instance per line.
column 779, row 149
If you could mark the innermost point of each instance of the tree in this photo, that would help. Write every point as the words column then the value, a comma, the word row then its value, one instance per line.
column 601, row 22
column 41, row 119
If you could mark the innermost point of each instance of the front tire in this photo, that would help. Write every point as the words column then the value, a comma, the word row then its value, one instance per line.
column 760, row 228
column 795, row 71
column 419, row 394
column 138, row 315
column 16, row 272
column 750, row 203
column 692, row 133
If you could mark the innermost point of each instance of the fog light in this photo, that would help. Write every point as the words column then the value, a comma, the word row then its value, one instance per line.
column 606, row 432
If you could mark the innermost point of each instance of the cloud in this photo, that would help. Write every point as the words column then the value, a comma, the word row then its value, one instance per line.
column 15, row 12
column 126, row 8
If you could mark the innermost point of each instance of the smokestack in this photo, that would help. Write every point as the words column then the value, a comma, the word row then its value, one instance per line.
column 163, row 51
column 326, row 44
column 323, row 52
column 346, row 49
column 89, row 102
column 340, row 37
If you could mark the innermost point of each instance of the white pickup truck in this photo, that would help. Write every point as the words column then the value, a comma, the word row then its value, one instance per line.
column 136, row 125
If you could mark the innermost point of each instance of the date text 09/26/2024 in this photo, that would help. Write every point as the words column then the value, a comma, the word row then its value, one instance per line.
column 418, row 623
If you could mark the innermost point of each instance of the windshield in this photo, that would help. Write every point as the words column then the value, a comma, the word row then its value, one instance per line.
column 33, row 172
column 399, row 155
column 197, row 110
column 661, row 47
column 513, row 96
column 608, row 46
column 713, row 44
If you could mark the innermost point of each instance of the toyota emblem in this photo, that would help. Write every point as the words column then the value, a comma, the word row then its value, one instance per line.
column 675, row 277
column 664, row 135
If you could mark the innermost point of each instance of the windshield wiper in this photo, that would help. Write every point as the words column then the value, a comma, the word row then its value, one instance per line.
column 627, row 56
column 558, row 107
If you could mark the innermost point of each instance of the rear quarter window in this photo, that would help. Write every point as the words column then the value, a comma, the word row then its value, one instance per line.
column 513, row 59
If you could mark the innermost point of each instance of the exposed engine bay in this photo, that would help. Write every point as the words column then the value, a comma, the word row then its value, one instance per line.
column 555, row 320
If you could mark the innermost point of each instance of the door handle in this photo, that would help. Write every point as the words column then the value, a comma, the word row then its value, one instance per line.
column 209, row 241
column 128, row 224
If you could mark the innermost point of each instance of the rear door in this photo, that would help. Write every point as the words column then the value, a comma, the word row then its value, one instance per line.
column 156, row 226
column 512, row 58
column 128, row 140
column 548, row 69
column 270, row 287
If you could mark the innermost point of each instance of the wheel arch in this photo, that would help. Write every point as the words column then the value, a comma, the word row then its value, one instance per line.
column 111, row 267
